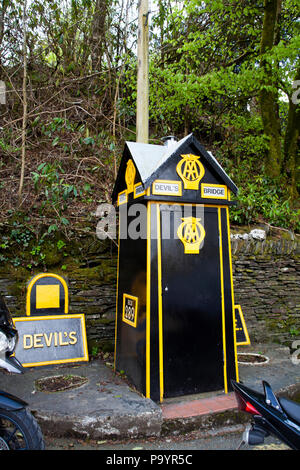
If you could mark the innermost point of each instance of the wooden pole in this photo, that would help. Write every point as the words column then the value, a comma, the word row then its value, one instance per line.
column 24, row 121
column 142, row 108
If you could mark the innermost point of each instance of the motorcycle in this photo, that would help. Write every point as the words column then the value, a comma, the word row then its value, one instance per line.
column 19, row 429
column 272, row 415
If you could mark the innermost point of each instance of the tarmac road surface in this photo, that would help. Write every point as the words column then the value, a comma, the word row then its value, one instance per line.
column 193, row 441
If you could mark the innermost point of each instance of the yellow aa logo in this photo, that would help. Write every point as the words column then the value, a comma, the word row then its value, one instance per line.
column 190, row 170
column 130, row 176
column 192, row 234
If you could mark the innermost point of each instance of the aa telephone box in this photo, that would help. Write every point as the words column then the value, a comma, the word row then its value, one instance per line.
column 175, row 315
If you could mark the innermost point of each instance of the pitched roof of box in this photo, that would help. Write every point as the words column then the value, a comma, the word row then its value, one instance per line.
column 150, row 159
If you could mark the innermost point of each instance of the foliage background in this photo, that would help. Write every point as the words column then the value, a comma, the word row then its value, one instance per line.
column 226, row 70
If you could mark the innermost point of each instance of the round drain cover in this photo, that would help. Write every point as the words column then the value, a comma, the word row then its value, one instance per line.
column 252, row 358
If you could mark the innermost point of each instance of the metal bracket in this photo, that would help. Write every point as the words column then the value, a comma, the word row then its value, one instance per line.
column 146, row 15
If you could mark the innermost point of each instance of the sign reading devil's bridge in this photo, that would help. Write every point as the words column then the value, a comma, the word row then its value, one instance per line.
column 48, row 334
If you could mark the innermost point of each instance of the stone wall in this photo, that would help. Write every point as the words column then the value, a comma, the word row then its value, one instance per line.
column 266, row 284
column 91, row 276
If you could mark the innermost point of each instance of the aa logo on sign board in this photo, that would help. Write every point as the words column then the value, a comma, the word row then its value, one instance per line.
column 192, row 234
column 130, row 176
column 190, row 170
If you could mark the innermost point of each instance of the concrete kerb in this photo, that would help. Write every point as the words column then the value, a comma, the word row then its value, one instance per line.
column 279, row 370
column 106, row 407
column 103, row 408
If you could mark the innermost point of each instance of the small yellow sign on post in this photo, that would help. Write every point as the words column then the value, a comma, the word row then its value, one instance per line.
column 242, row 336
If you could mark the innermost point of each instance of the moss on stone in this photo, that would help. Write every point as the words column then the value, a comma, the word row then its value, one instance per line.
column 104, row 345
column 100, row 321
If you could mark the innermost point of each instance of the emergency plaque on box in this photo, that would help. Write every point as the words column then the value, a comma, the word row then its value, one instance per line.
column 48, row 334
column 130, row 305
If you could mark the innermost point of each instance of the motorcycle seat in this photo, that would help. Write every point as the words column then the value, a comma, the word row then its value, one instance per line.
column 291, row 408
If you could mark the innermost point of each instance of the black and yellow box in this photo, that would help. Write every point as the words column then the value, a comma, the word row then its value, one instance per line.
column 175, row 313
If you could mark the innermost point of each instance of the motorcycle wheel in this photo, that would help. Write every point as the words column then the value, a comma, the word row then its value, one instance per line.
column 19, row 430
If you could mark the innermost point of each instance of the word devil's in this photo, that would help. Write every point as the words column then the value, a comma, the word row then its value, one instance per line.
column 41, row 340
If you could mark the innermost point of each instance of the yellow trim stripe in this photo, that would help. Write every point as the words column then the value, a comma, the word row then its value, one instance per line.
column 117, row 295
column 148, row 300
column 232, row 296
column 223, row 303
column 175, row 203
column 160, row 308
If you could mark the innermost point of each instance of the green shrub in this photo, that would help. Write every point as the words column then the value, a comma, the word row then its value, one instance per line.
column 265, row 199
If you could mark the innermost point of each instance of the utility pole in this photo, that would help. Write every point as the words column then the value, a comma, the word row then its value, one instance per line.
column 24, row 121
column 142, row 107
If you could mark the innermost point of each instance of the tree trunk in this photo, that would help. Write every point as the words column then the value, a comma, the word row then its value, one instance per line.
column 291, row 162
column 269, row 91
column 3, row 8
column 24, row 122
column 98, row 34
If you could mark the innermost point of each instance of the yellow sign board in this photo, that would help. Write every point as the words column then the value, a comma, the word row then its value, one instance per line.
column 47, row 293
